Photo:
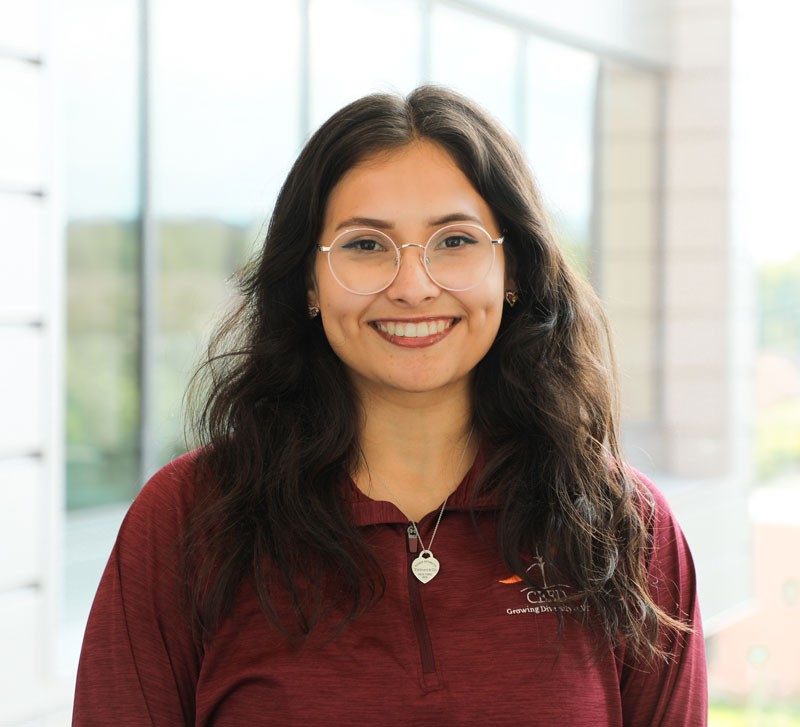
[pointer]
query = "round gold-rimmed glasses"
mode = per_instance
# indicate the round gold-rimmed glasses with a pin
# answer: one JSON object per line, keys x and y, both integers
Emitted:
{"x": 366, "y": 261}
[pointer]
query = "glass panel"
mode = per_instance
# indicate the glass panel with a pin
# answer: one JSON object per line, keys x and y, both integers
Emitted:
{"x": 628, "y": 274}
{"x": 21, "y": 139}
{"x": 478, "y": 58}
{"x": 225, "y": 131}
{"x": 100, "y": 191}
{"x": 559, "y": 128}
{"x": 353, "y": 54}
{"x": 21, "y": 245}
{"x": 21, "y": 388}
{"x": 19, "y": 635}
{"x": 21, "y": 491}
{"x": 20, "y": 27}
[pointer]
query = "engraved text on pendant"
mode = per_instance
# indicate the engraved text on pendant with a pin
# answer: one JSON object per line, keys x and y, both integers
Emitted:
{"x": 425, "y": 566}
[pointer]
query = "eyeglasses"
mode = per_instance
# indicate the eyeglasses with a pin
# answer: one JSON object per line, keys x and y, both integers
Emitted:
{"x": 366, "y": 261}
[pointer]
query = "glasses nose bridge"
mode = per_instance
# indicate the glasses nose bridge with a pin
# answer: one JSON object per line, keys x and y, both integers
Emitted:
{"x": 411, "y": 244}
{"x": 422, "y": 248}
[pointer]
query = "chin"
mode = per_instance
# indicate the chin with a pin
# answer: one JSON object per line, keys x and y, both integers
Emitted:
{"x": 420, "y": 385}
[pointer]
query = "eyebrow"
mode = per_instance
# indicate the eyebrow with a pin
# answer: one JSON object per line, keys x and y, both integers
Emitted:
{"x": 384, "y": 225}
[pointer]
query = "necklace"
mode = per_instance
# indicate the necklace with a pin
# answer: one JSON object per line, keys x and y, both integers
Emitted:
{"x": 425, "y": 566}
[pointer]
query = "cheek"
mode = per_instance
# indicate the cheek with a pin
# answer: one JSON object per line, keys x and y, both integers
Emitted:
{"x": 486, "y": 302}
{"x": 342, "y": 315}
{"x": 485, "y": 313}
{"x": 337, "y": 323}
{"x": 493, "y": 302}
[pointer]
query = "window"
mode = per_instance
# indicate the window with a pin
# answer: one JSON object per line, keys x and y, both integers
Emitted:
{"x": 358, "y": 47}
{"x": 559, "y": 140}
{"x": 477, "y": 57}
{"x": 225, "y": 101}
{"x": 101, "y": 202}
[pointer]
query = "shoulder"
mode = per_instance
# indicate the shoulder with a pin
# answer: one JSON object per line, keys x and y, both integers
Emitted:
{"x": 674, "y": 691}
{"x": 139, "y": 657}
{"x": 161, "y": 505}
{"x": 668, "y": 552}
{"x": 172, "y": 482}
{"x": 655, "y": 505}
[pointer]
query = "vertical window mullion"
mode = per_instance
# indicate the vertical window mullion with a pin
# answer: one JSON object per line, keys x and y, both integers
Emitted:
{"x": 521, "y": 96}
{"x": 660, "y": 266}
{"x": 305, "y": 70}
{"x": 596, "y": 211}
{"x": 148, "y": 259}
{"x": 425, "y": 41}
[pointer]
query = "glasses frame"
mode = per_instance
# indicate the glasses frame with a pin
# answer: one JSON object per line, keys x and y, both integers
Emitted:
{"x": 399, "y": 258}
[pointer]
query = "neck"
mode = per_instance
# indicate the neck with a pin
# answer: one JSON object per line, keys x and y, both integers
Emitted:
{"x": 412, "y": 445}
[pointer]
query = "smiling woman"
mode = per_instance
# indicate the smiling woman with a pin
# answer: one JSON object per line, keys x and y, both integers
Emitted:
{"x": 408, "y": 503}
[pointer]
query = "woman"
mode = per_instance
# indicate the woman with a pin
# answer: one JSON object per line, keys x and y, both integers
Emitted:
{"x": 409, "y": 506}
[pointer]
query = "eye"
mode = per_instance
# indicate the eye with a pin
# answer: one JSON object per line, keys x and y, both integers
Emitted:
{"x": 455, "y": 241}
{"x": 363, "y": 244}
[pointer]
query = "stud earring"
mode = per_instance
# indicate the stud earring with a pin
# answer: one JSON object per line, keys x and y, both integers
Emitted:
{"x": 313, "y": 311}
{"x": 511, "y": 298}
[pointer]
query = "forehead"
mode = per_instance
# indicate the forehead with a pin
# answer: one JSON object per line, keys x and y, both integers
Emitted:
{"x": 414, "y": 183}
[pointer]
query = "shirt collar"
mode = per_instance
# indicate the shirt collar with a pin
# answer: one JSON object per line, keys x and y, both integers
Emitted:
{"x": 367, "y": 511}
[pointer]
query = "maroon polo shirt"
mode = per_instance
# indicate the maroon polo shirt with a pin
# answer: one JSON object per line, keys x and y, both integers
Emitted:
{"x": 473, "y": 646}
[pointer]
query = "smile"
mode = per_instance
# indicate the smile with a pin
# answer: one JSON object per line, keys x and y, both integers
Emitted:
{"x": 414, "y": 335}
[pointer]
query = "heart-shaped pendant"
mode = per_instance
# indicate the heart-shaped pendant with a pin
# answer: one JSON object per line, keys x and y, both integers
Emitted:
{"x": 425, "y": 566}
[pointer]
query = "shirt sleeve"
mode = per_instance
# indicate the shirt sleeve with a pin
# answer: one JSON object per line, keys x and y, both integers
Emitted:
{"x": 138, "y": 665}
{"x": 674, "y": 694}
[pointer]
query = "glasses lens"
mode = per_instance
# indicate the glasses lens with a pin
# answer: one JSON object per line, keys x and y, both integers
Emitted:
{"x": 460, "y": 257}
{"x": 363, "y": 261}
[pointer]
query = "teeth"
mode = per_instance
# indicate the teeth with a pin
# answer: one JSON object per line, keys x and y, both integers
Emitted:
{"x": 414, "y": 330}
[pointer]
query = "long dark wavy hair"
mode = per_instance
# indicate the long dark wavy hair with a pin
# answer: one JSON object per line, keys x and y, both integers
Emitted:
{"x": 274, "y": 417}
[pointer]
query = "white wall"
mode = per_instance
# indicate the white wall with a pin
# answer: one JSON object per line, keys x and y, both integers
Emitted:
{"x": 31, "y": 369}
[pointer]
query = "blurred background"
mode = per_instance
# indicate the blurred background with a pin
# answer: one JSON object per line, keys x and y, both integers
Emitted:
{"x": 143, "y": 142}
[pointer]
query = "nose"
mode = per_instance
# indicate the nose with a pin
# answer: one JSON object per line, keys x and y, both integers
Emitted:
{"x": 412, "y": 284}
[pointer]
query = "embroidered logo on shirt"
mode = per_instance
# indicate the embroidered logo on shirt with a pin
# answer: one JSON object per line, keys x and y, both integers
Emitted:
{"x": 540, "y": 599}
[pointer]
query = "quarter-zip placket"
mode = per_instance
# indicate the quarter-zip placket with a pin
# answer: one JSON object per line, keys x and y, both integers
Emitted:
{"x": 430, "y": 675}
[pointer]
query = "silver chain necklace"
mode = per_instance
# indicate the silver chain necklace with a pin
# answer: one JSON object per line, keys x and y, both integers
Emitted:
{"x": 425, "y": 566}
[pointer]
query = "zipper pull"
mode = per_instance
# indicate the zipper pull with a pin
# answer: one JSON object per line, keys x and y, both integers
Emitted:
{"x": 412, "y": 539}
